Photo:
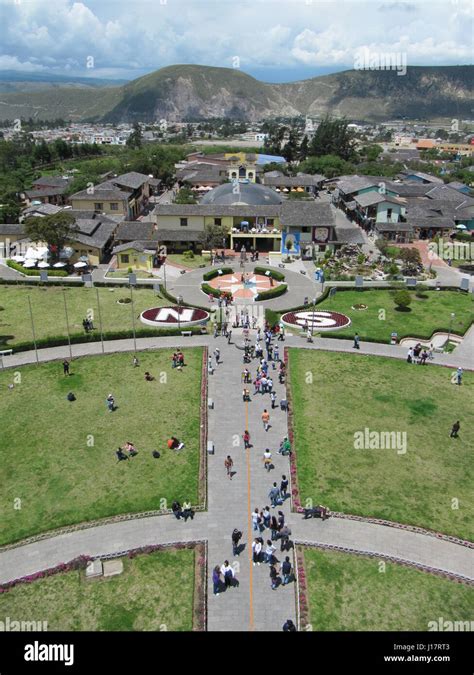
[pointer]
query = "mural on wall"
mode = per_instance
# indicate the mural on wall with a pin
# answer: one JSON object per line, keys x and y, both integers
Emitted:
{"x": 290, "y": 243}
{"x": 320, "y": 234}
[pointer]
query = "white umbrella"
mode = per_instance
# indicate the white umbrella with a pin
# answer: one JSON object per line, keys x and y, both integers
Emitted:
{"x": 43, "y": 264}
{"x": 461, "y": 227}
{"x": 80, "y": 264}
{"x": 18, "y": 258}
{"x": 285, "y": 190}
{"x": 59, "y": 264}
{"x": 29, "y": 263}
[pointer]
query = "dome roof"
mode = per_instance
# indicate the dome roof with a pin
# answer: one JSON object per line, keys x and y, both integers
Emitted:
{"x": 248, "y": 193}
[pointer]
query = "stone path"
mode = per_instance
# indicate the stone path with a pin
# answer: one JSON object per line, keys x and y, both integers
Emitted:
{"x": 252, "y": 605}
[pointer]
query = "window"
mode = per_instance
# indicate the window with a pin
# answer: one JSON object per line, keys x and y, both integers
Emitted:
{"x": 125, "y": 258}
{"x": 98, "y": 206}
{"x": 114, "y": 206}
{"x": 305, "y": 229}
{"x": 270, "y": 222}
{"x": 250, "y": 174}
{"x": 217, "y": 221}
{"x": 183, "y": 222}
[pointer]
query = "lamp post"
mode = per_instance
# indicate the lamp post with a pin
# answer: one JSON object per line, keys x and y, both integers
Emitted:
{"x": 133, "y": 320}
{"x": 67, "y": 324}
{"x": 32, "y": 330}
{"x": 180, "y": 300}
{"x": 451, "y": 319}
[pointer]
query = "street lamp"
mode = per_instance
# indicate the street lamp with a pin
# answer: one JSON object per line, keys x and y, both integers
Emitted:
{"x": 451, "y": 319}
{"x": 180, "y": 300}
{"x": 312, "y": 317}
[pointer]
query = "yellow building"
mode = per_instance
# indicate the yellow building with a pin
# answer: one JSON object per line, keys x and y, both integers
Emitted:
{"x": 139, "y": 255}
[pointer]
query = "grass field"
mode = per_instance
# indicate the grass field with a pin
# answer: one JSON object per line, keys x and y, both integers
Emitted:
{"x": 179, "y": 259}
{"x": 425, "y": 316}
{"x": 350, "y": 393}
{"x": 49, "y": 314}
{"x": 154, "y": 593}
{"x": 58, "y": 458}
{"x": 349, "y": 593}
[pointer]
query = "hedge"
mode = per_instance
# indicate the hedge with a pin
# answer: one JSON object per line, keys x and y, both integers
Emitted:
{"x": 272, "y": 293}
{"x": 78, "y": 338}
{"x": 36, "y": 282}
{"x": 212, "y": 274}
{"x": 278, "y": 276}
{"x": 34, "y": 273}
{"x": 209, "y": 290}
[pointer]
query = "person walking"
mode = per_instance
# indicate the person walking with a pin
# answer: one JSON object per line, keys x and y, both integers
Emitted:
{"x": 228, "y": 573}
{"x": 66, "y": 367}
{"x": 255, "y": 520}
{"x": 356, "y": 341}
{"x": 273, "y": 528}
{"x": 110, "y": 403}
{"x": 266, "y": 419}
{"x": 246, "y": 438}
{"x": 267, "y": 459}
{"x": 274, "y": 495}
{"x": 285, "y": 538}
{"x": 135, "y": 362}
{"x": 256, "y": 551}
{"x": 273, "y": 398}
{"x": 286, "y": 570}
{"x": 269, "y": 551}
{"x": 284, "y": 487}
{"x": 266, "y": 516}
{"x": 274, "y": 578}
{"x": 229, "y": 337}
{"x": 289, "y": 626}
{"x": 281, "y": 519}
{"x": 459, "y": 373}
{"x": 410, "y": 355}
{"x": 455, "y": 430}
{"x": 229, "y": 463}
{"x": 236, "y": 537}
{"x": 216, "y": 579}
{"x": 217, "y": 354}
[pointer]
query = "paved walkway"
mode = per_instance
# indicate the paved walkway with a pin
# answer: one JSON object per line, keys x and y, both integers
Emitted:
{"x": 252, "y": 605}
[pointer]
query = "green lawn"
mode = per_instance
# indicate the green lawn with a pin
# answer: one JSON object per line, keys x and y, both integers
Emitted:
{"x": 123, "y": 274}
{"x": 179, "y": 259}
{"x": 349, "y": 393}
{"x": 424, "y": 317}
{"x": 154, "y": 593}
{"x": 58, "y": 457}
{"x": 348, "y": 593}
{"x": 49, "y": 317}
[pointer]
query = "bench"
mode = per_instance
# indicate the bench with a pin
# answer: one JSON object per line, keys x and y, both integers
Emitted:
{"x": 6, "y": 352}
{"x": 186, "y": 333}
{"x": 210, "y": 403}
{"x": 210, "y": 448}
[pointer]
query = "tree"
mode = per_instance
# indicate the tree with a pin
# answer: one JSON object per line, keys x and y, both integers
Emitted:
{"x": 55, "y": 230}
{"x": 327, "y": 165}
{"x": 185, "y": 196}
{"x": 304, "y": 149}
{"x": 213, "y": 236}
{"x": 333, "y": 137}
{"x": 41, "y": 153}
{"x": 290, "y": 150}
{"x": 135, "y": 138}
{"x": 402, "y": 299}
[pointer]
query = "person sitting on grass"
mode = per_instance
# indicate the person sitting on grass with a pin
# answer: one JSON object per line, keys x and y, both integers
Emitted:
{"x": 149, "y": 377}
{"x": 120, "y": 455}
{"x": 175, "y": 444}
{"x": 132, "y": 451}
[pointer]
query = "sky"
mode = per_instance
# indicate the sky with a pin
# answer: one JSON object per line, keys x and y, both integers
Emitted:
{"x": 272, "y": 40}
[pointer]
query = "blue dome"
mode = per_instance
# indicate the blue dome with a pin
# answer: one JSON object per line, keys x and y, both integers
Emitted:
{"x": 241, "y": 193}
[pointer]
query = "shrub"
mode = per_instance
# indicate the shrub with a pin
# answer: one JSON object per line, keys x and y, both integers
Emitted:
{"x": 402, "y": 299}
{"x": 130, "y": 270}
{"x": 422, "y": 291}
{"x": 34, "y": 272}
{"x": 212, "y": 274}
{"x": 272, "y": 292}
{"x": 278, "y": 276}
{"x": 188, "y": 254}
{"x": 209, "y": 290}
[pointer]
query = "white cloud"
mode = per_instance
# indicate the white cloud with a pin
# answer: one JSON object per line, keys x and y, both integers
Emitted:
{"x": 124, "y": 36}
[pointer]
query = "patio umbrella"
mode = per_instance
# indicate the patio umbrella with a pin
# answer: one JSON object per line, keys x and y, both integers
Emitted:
{"x": 285, "y": 190}
{"x": 461, "y": 227}
{"x": 29, "y": 263}
{"x": 18, "y": 258}
{"x": 59, "y": 264}
{"x": 78, "y": 265}
{"x": 43, "y": 264}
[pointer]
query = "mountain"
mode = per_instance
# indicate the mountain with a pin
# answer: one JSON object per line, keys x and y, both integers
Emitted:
{"x": 188, "y": 92}
{"x": 15, "y": 81}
